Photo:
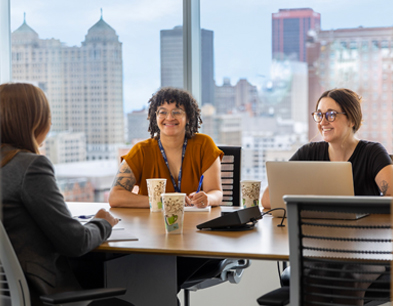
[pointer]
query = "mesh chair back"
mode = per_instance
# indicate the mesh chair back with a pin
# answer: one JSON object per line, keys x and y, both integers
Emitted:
{"x": 230, "y": 175}
{"x": 340, "y": 262}
{"x": 13, "y": 283}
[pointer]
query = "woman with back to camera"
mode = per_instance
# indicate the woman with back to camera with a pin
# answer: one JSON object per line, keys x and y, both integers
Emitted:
{"x": 174, "y": 122}
{"x": 338, "y": 116}
{"x": 35, "y": 216}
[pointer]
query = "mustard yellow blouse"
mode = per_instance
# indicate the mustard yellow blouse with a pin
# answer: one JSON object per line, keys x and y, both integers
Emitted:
{"x": 146, "y": 161}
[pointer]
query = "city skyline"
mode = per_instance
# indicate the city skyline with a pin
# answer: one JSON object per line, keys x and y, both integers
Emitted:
{"x": 242, "y": 42}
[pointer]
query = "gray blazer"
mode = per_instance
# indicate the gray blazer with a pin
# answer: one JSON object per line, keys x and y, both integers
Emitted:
{"x": 41, "y": 228}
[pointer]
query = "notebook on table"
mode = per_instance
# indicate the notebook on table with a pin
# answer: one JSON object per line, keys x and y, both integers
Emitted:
{"x": 309, "y": 178}
{"x": 121, "y": 234}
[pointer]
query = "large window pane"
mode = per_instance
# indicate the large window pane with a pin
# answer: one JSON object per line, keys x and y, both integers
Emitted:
{"x": 98, "y": 63}
{"x": 272, "y": 60}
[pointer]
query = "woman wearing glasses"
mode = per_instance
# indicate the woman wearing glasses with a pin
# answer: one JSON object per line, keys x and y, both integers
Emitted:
{"x": 338, "y": 116}
{"x": 175, "y": 151}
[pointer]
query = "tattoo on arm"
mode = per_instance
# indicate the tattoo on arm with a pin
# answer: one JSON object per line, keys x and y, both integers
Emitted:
{"x": 125, "y": 177}
{"x": 384, "y": 187}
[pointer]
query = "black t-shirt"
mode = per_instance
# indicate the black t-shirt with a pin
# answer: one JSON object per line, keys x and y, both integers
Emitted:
{"x": 367, "y": 160}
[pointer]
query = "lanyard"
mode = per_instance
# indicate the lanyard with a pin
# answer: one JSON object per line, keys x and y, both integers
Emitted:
{"x": 177, "y": 188}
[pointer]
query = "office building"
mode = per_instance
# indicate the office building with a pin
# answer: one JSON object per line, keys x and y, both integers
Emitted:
{"x": 65, "y": 147}
{"x": 137, "y": 126}
{"x": 262, "y": 146}
{"x": 225, "y": 129}
{"x": 285, "y": 95}
{"x": 242, "y": 97}
{"x": 76, "y": 190}
{"x": 359, "y": 59}
{"x": 171, "y": 44}
{"x": 99, "y": 174}
{"x": 225, "y": 96}
{"x": 289, "y": 32}
{"x": 84, "y": 85}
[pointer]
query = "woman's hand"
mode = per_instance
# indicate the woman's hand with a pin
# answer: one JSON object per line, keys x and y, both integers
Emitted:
{"x": 200, "y": 199}
{"x": 103, "y": 214}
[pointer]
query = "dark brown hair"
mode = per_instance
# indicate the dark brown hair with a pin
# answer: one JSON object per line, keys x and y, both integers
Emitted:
{"x": 24, "y": 115}
{"x": 349, "y": 102}
{"x": 180, "y": 97}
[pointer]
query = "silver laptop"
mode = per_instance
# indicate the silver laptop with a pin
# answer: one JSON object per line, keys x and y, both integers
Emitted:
{"x": 309, "y": 178}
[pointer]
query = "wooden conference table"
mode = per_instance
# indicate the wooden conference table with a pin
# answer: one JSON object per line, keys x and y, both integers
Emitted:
{"x": 152, "y": 263}
{"x": 149, "y": 271}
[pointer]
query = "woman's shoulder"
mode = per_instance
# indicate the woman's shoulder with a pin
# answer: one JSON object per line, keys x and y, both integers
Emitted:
{"x": 147, "y": 146}
{"x": 201, "y": 139}
{"x": 25, "y": 162}
{"x": 27, "y": 158}
{"x": 144, "y": 145}
{"x": 371, "y": 147}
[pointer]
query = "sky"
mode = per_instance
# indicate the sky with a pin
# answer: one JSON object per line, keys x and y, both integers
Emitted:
{"x": 242, "y": 31}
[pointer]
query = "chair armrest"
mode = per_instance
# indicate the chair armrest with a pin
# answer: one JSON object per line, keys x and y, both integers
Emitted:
{"x": 286, "y": 276}
{"x": 82, "y": 295}
{"x": 278, "y": 297}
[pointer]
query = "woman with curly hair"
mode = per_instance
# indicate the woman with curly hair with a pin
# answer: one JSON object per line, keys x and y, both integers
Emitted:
{"x": 175, "y": 151}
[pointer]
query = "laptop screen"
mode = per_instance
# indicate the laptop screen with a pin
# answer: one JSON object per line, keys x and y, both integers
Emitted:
{"x": 307, "y": 178}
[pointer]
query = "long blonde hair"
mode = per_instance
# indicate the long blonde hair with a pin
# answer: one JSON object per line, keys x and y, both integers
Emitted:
{"x": 24, "y": 115}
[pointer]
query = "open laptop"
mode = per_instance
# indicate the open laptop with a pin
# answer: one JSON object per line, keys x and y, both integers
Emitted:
{"x": 309, "y": 178}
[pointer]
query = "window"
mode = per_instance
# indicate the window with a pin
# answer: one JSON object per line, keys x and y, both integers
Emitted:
{"x": 253, "y": 57}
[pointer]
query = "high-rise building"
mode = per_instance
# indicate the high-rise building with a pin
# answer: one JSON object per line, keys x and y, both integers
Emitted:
{"x": 84, "y": 85}
{"x": 286, "y": 94}
{"x": 359, "y": 59}
{"x": 289, "y": 32}
{"x": 225, "y": 97}
{"x": 137, "y": 126}
{"x": 238, "y": 98}
{"x": 224, "y": 129}
{"x": 172, "y": 61}
{"x": 65, "y": 147}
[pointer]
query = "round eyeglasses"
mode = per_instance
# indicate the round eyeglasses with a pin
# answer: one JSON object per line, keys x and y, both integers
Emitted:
{"x": 329, "y": 116}
{"x": 176, "y": 113}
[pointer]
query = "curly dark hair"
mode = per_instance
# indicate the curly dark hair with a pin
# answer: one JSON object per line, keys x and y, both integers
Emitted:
{"x": 180, "y": 97}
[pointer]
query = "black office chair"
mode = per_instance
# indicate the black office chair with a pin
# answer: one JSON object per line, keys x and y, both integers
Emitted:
{"x": 230, "y": 270}
{"x": 330, "y": 263}
{"x": 14, "y": 289}
{"x": 230, "y": 175}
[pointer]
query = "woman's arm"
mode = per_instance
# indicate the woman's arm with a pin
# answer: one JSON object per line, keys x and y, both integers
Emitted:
{"x": 265, "y": 201}
{"x": 211, "y": 193}
{"x": 121, "y": 194}
{"x": 384, "y": 180}
{"x": 46, "y": 208}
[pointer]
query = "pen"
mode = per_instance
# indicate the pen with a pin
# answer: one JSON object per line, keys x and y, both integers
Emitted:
{"x": 84, "y": 216}
{"x": 200, "y": 184}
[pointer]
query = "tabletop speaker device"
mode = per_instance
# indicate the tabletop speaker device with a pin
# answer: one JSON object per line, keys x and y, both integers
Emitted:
{"x": 238, "y": 220}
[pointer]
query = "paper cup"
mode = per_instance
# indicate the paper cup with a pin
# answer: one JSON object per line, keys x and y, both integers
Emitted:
{"x": 155, "y": 188}
{"x": 173, "y": 206}
{"x": 250, "y": 193}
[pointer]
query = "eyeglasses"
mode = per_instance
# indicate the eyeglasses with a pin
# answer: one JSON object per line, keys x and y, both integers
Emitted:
{"x": 329, "y": 116}
{"x": 176, "y": 113}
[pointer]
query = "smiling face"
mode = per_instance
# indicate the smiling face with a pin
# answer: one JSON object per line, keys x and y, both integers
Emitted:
{"x": 338, "y": 130}
{"x": 171, "y": 126}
